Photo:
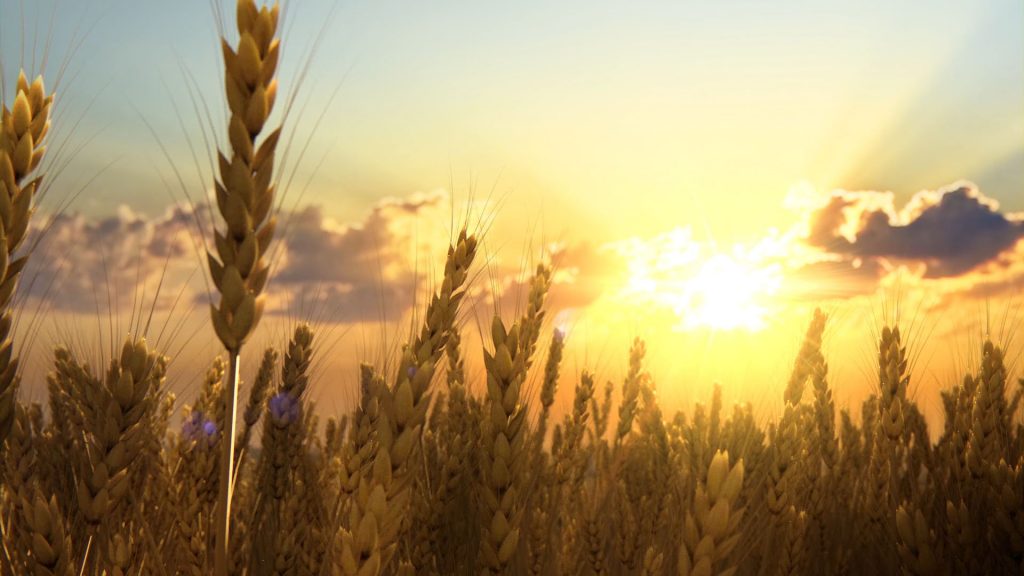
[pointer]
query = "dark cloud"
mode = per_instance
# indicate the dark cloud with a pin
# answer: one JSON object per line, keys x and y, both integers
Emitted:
{"x": 826, "y": 222}
{"x": 951, "y": 231}
{"x": 1002, "y": 277}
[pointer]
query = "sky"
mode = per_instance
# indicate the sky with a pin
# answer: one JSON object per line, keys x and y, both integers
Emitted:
{"x": 703, "y": 174}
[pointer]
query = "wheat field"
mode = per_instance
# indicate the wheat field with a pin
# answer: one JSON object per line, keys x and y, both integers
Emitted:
{"x": 436, "y": 474}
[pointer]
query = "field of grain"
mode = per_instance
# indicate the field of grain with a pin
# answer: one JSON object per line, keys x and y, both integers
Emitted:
{"x": 432, "y": 474}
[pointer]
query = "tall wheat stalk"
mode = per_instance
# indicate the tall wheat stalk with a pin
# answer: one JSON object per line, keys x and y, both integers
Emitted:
{"x": 245, "y": 197}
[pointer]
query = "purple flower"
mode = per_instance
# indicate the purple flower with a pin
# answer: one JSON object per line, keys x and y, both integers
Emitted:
{"x": 284, "y": 408}
{"x": 210, "y": 428}
{"x": 411, "y": 372}
{"x": 198, "y": 428}
{"x": 191, "y": 427}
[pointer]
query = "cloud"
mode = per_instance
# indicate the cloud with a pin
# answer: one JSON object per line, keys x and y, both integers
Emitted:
{"x": 582, "y": 272}
{"x": 950, "y": 232}
{"x": 377, "y": 267}
{"x": 954, "y": 243}
{"x": 359, "y": 271}
{"x": 80, "y": 263}
{"x": 322, "y": 269}
{"x": 384, "y": 242}
{"x": 386, "y": 263}
{"x": 1009, "y": 283}
{"x": 833, "y": 278}
{"x": 1004, "y": 276}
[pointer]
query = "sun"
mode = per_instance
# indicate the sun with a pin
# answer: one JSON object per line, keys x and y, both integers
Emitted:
{"x": 726, "y": 294}
{"x": 719, "y": 290}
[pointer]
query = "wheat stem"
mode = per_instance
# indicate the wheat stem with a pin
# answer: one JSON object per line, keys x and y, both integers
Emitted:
{"x": 227, "y": 465}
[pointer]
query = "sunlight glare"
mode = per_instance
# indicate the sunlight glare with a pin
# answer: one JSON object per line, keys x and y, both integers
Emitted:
{"x": 720, "y": 291}
{"x": 726, "y": 294}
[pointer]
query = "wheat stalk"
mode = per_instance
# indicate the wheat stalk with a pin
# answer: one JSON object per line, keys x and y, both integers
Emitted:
{"x": 245, "y": 198}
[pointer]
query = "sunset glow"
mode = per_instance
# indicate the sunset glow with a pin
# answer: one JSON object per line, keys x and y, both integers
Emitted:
{"x": 699, "y": 174}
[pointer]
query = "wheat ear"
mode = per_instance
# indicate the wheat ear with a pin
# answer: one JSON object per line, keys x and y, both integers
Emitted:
{"x": 711, "y": 530}
{"x": 257, "y": 398}
{"x": 916, "y": 542}
{"x": 504, "y": 429}
{"x": 990, "y": 418}
{"x": 893, "y": 380}
{"x": 22, "y": 133}
{"x": 382, "y": 490}
{"x": 631, "y": 390}
{"x": 791, "y": 548}
{"x": 550, "y": 384}
{"x": 47, "y": 546}
{"x": 808, "y": 358}
{"x": 128, "y": 398}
